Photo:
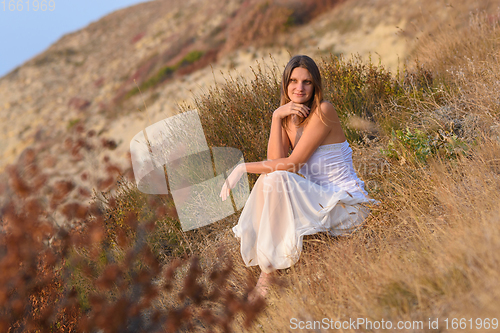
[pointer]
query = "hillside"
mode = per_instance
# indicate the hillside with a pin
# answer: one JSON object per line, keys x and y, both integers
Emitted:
{"x": 89, "y": 77}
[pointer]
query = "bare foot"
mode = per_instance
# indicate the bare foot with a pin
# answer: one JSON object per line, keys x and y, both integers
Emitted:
{"x": 261, "y": 288}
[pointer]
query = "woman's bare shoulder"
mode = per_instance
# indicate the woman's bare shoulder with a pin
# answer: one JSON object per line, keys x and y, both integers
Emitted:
{"x": 328, "y": 110}
{"x": 326, "y": 105}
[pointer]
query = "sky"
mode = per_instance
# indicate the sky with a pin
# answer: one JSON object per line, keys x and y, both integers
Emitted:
{"x": 25, "y": 33}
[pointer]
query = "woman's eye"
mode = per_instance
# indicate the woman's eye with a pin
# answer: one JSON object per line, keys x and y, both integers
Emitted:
{"x": 293, "y": 80}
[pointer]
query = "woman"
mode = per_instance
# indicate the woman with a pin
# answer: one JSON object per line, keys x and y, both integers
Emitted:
{"x": 283, "y": 206}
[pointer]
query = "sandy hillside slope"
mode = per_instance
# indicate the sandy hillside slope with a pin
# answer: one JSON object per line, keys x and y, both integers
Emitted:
{"x": 174, "y": 49}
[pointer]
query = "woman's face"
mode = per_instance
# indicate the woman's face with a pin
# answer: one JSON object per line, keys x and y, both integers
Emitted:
{"x": 300, "y": 87}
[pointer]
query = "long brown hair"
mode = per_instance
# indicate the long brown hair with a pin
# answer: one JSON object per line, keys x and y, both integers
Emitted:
{"x": 314, "y": 103}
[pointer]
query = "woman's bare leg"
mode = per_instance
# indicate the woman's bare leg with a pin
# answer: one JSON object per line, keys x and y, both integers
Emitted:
{"x": 262, "y": 286}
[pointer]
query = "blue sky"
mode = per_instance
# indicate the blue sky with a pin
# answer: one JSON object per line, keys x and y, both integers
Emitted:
{"x": 24, "y": 34}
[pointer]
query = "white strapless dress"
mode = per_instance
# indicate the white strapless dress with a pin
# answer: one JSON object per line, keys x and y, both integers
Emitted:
{"x": 283, "y": 207}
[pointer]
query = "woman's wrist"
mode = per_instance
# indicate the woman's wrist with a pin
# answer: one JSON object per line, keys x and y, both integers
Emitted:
{"x": 241, "y": 167}
{"x": 276, "y": 115}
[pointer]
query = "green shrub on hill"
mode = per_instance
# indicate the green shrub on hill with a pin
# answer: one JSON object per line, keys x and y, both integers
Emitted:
{"x": 165, "y": 72}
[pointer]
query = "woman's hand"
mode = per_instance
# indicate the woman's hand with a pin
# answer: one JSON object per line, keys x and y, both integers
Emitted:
{"x": 231, "y": 181}
{"x": 292, "y": 108}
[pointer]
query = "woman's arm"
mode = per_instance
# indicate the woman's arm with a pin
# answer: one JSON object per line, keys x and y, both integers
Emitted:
{"x": 278, "y": 144}
{"x": 314, "y": 134}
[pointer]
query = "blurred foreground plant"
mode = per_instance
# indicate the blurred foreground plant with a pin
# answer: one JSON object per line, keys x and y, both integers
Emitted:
{"x": 82, "y": 276}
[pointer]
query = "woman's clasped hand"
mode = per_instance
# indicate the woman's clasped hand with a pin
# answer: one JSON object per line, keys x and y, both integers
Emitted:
{"x": 292, "y": 108}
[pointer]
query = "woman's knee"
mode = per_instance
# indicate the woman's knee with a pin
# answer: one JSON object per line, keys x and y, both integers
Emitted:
{"x": 276, "y": 176}
{"x": 276, "y": 180}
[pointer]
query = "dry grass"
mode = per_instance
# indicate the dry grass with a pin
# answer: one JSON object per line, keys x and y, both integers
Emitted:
{"x": 469, "y": 59}
{"x": 430, "y": 251}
